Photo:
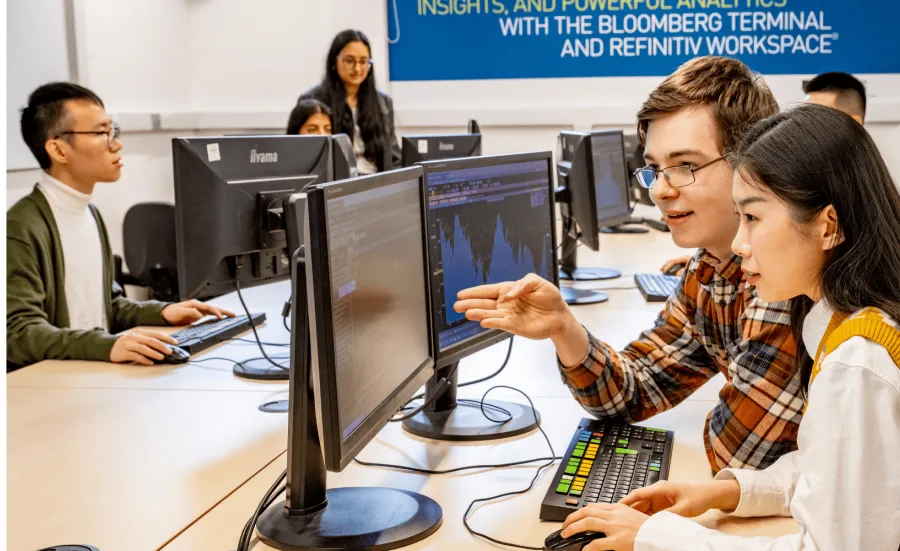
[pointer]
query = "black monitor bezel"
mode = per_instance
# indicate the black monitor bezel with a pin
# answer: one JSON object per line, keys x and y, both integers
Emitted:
{"x": 613, "y": 220}
{"x": 471, "y": 345}
{"x": 339, "y": 452}
{"x": 406, "y": 144}
{"x": 183, "y": 155}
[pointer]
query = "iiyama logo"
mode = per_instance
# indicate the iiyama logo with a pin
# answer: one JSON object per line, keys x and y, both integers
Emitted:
{"x": 445, "y": 146}
{"x": 263, "y": 157}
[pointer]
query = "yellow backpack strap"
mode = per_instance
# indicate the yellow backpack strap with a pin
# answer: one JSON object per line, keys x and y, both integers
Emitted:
{"x": 870, "y": 325}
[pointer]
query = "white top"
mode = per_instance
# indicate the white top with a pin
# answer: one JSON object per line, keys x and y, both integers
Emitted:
{"x": 842, "y": 485}
{"x": 82, "y": 253}
{"x": 363, "y": 165}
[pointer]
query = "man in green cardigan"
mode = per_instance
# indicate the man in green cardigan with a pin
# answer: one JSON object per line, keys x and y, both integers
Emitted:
{"x": 61, "y": 300}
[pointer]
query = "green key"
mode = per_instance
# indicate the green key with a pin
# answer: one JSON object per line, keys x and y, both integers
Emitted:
{"x": 654, "y": 469}
{"x": 595, "y": 441}
{"x": 581, "y": 445}
{"x": 563, "y": 488}
{"x": 623, "y": 442}
{"x": 626, "y": 451}
{"x": 571, "y": 469}
{"x": 655, "y": 430}
{"x": 580, "y": 453}
{"x": 575, "y": 493}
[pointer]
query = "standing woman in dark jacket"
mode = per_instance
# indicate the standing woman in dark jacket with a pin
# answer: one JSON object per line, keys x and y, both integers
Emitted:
{"x": 358, "y": 108}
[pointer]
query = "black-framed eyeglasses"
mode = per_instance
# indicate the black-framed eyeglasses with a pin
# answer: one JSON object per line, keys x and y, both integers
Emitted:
{"x": 677, "y": 176}
{"x": 350, "y": 62}
{"x": 111, "y": 135}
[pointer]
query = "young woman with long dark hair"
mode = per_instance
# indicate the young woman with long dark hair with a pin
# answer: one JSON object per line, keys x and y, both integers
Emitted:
{"x": 358, "y": 108}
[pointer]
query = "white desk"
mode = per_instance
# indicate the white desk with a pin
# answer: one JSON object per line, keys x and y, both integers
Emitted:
{"x": 127, "y": 469}
{"x": 514, "y": 519}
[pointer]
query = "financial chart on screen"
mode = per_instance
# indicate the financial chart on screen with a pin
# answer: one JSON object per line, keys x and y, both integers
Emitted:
{"x": 486, "y": 225}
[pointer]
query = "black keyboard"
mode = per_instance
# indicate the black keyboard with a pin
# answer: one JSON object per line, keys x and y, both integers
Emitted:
{"x": 656, "y": 287}
{"x": 605, "y": 461}
{"x": 199, "y": 337}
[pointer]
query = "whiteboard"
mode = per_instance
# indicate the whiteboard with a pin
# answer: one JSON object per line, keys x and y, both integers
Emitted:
{"x": 36, "y": 53}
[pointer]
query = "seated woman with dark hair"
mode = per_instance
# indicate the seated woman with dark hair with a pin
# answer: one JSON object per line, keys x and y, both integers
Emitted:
{"x": 309, "y": 117}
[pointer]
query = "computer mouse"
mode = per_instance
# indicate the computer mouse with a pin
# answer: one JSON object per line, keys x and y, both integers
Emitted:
{"x": 673, "y": 271}
{"x": 555, "y": 541}
{"x": 177, "y": 356}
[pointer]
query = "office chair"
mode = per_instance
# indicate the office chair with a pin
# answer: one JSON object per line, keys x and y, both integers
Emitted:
{"x": 149, "y": 243}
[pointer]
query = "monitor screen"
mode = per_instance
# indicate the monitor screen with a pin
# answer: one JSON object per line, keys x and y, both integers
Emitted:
{"x": 610, "y": 177}
{"x": 378, "y": 295}
{"x": 487, "y": 224}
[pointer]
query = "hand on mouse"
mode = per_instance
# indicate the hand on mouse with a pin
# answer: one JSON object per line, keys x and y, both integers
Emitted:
{"x": 685, "y": 499}
{"x": 683, "y": 260}
{"x": 619, "y": 522}
{"x": 142, "y": 347}
{"x": 185, "y": 313}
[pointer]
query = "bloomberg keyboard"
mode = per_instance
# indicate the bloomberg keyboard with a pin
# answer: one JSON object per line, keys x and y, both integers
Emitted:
{"x": 656, "y": 287}
{"x": 197, "y": 338}
{"x": 604, "y": 462}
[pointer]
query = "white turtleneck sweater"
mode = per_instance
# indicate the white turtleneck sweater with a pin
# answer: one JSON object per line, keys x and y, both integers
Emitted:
{"x": 82, "y": 252}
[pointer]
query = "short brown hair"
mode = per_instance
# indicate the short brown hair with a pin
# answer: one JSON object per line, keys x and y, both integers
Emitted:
{"x": 737, "y": 96}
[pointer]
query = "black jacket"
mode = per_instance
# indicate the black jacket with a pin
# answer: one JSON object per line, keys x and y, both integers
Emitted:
{"x": 392, "y": 152}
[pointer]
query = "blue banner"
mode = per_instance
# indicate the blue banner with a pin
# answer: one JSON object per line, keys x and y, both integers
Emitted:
{"x": 499, "y": 39}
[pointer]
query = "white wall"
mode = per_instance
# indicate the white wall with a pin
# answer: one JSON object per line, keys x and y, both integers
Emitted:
{"x": 171, "y": 68}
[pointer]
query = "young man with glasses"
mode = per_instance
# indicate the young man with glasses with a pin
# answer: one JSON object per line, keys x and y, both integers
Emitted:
{"x": 61, "y": 300}
{"x": 714, "y": 323}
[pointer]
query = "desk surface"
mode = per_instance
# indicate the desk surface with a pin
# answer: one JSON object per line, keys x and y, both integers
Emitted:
{"x": 514, "y": 519}
{"x": 134, "y": 457}
{"x": 127, "y": 469}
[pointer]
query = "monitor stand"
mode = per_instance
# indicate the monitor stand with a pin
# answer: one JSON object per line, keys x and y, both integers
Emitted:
{"x": 316, "y": 518}
{"x": 448, "y": 419}
{"x": 259, "y": 369}
{"x": 627, "y": 226}
{"x": 569, "y": 270}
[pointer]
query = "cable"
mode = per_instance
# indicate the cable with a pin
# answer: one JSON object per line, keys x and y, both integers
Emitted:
{"x": 237, "y": 286}
{"x": 537, "y": 475}
{"x": 267, "y": 500}
{"x": 438, "y": 390}
{"x": 396, "y": 25}
{"x": 494, "y": 374}
{"x": 418, "y": 470}
{"x": 265, "y": 343}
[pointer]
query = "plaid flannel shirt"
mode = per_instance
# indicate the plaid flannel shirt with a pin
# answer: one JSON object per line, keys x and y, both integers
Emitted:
{"x": 714, "y": 323}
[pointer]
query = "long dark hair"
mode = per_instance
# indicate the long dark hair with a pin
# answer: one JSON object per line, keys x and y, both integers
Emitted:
{"x": 304, "y": 109}
{"x": 811, "y": 157}
{"x": 371, "y": 119}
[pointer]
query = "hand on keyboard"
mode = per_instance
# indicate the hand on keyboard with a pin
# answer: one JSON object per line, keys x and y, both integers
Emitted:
{"x": 685, "y": 499}
{"x": 186, "y": 313}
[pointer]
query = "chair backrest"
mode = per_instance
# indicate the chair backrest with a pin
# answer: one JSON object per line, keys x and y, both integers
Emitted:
{"x": 149, "y": 239}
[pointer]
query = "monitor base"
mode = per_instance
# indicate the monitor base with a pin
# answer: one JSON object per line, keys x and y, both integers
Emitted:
{"x": 588, "y": 274}
{"x": 626, "y": 227}
{"x": 374, "y": 519}
{"x": 278, "y": 406}
{"x": 466, "y": 422}
{"x": 259, "y": 369}
{"x": 574, "y": 296}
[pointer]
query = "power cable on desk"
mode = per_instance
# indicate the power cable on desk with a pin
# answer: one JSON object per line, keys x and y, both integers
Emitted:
{"x": 237, "y": 286}
{"x": 267, "y": 500}
{"x": 537, "y": 475}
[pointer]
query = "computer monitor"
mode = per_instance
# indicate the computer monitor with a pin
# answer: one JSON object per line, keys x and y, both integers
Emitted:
{"x": 229, "y": 210}
{"x": 434, "y": 147}
{"x": 363, "y": 284}
{"x": 490, "y": 219}
{"x": 593, "y": 193}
